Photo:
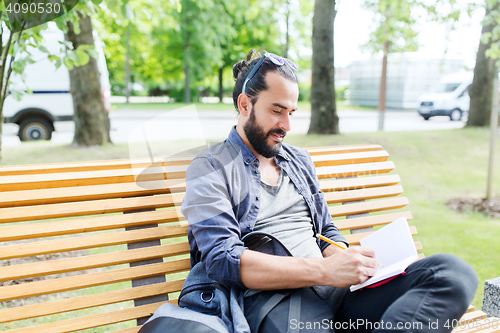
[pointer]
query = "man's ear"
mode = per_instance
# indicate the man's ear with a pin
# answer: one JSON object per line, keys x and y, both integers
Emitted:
{"x": 244, "y": 104}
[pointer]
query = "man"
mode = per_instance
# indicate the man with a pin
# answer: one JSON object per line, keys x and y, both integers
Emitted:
{"x": 254, "y": 181}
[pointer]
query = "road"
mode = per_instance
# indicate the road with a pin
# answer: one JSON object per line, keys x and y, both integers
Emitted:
{"x": 213, "y": 125}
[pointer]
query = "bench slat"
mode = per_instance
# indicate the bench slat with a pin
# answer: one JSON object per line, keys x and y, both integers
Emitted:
{"x": 313, "y": 151}
{"x": 358, "y": 183}
{"x": 92, "y": 321}
{"x": 130, "y": 175}
{"x": 89, "y": 301}
{"x": 143, "y": 162}
{"x": 91, "y": 241}
{"x": 363, "y": 194}
{"x": 91, "y": 280}
{"x": 42, "y": 212}
{"x": 49, "y": 267}
{"x": 350, "y": 158}
{"x": 343, "y": 171}
{"x": 74, "y": 179}
{"x": 355, "y": 238}
{"x": 95, "y": 192}
{"x": 367, "y": 207}
{"x": 89, "y": 224}
{"x": 370, "y": 221}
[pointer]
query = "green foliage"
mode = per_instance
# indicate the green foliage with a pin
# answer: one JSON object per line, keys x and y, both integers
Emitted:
{"x": 395, "y": 23}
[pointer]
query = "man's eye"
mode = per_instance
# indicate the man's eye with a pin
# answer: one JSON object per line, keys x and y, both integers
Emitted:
{"x": 277, "y": 111}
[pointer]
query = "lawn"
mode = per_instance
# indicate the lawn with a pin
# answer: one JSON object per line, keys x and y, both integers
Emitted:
{"x": 301, "y": 106}
{"x": 434, "y": 166}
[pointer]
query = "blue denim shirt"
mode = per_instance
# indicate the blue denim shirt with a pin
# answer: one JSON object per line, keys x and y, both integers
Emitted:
{"x": 222, "y": 203}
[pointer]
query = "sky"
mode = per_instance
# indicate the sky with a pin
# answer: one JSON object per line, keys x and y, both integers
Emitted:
{"x": 353, "y": 26}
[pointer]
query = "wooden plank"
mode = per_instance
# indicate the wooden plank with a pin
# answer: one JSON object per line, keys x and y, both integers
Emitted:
{"x": 49, "y": 267}
{"x": 487, "y": 325}
{"x": 89, "y": 301}
{"x": 368, "y": 207}
{"x": 72, "y": 179}
{"x": 354, "y": 238}
{"x": 91, "y": 280}
{"x": 343, "y": 171}
{"x": 125, "y": 190}
{"x": 92, "y": 321}
{"x": 350, "y": 158}
{"x": 370, "y": 221}
{"x": 358, "y": 183}
{"x": 83, "y": 166}
{"x": 129, "y": 330}
{"x": 88, "y": 224}
{"x": 91, "y": 241}
{"x": 94, "y": 192}
{"x": 342, "y": 149}
{"x": 472, "y": 316}
{"x": 363, "y": 194}
{"x": 41, "y": 212}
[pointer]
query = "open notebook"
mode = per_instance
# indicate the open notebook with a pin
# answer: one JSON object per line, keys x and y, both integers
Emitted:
{"x": 394, "y": 250}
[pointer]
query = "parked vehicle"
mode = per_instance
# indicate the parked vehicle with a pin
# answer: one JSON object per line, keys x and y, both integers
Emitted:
{"x": 50, "y": 99}
{"x": 450, "y": 97}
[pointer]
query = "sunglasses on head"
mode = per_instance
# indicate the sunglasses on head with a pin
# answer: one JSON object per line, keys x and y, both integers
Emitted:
{"x": 276, "y": 59}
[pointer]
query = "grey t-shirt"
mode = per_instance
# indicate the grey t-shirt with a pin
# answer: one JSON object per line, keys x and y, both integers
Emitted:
{"x": 284, "y": 214}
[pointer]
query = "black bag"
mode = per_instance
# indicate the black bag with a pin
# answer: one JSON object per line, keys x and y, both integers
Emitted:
{"x": 290, "y": 310}
{"x": 202, "y": 294}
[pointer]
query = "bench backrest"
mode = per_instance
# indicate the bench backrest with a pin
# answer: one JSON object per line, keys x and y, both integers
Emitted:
{"x": 100, "y": 245}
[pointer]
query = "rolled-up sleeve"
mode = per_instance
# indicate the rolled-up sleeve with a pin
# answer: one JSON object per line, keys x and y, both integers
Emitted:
{"x": 208, "y": 207}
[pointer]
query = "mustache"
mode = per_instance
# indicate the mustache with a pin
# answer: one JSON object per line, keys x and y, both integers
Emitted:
{"x": 278, "y": 131}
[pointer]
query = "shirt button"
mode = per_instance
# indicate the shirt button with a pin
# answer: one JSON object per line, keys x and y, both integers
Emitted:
{"x": 257, "y": 198}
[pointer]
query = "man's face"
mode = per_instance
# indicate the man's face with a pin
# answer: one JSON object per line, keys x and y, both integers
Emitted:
{"x": 269, "y": 119}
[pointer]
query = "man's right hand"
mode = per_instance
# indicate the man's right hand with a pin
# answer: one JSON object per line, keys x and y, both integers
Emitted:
{"x": 348, "y": 267}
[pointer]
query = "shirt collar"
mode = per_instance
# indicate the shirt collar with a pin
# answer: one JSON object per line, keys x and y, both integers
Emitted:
{"x": 248, "y": 155}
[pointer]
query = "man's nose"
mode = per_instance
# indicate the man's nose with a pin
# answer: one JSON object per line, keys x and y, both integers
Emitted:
{"x": 285, "y": 123}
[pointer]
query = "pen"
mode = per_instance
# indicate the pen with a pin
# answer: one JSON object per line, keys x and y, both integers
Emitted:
{"x": 328, "y": 240}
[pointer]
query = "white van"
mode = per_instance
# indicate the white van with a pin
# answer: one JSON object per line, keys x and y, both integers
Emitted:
{"x": 450, "y": 97}
{"x": 51, "y": 99}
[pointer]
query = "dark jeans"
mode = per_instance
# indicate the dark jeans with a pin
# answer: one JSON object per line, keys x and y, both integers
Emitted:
{"x": 432, "y": 295}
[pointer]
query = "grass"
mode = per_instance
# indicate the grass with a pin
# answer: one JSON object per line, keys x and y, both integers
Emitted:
{"x": 434, "y": 166}
{"x": 301, "y": 106}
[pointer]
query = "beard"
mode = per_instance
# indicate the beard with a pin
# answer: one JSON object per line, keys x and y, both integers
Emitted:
{"x": 258, "y": 138}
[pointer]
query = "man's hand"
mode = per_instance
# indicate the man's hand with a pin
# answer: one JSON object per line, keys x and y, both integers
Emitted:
{"x": 347, "y": 267}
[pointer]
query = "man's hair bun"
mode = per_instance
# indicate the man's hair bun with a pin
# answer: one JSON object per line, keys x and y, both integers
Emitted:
{"x": 239, "y": 67}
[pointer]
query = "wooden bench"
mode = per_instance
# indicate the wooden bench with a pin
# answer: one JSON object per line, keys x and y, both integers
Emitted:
{"x": 98, "y": 246}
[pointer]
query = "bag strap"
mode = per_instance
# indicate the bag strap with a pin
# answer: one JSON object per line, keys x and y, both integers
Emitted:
{"x": 294, "y": 310}
{"x": 257, "y": 316}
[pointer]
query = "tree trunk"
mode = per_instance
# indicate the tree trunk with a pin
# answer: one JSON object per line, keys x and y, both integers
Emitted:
{"x": 90, "y": 116}
{"x": 186, "y": 55}
{"x": 324, "y": 119}
{"x": 481, "y": 90}
{"x": 221, "y": 85}
{"x": 127, "y": 65}
{"x": 287, "y": 36}
{"x": 383, "y": 89}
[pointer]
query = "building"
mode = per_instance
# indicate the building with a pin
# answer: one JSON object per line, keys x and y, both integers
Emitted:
{"x": 409, "y": 75}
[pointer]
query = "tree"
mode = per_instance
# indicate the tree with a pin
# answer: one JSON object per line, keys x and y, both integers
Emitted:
{"x": 15, "y": 44}
{"x": 394, "y": 32}
{"x": 486, "y": 69}
{"x": 90, "y": 116}
{"x": 324, "y": 118}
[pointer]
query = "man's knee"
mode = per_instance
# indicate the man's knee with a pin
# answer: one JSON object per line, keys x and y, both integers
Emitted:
{"x": 455, "y": 274}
